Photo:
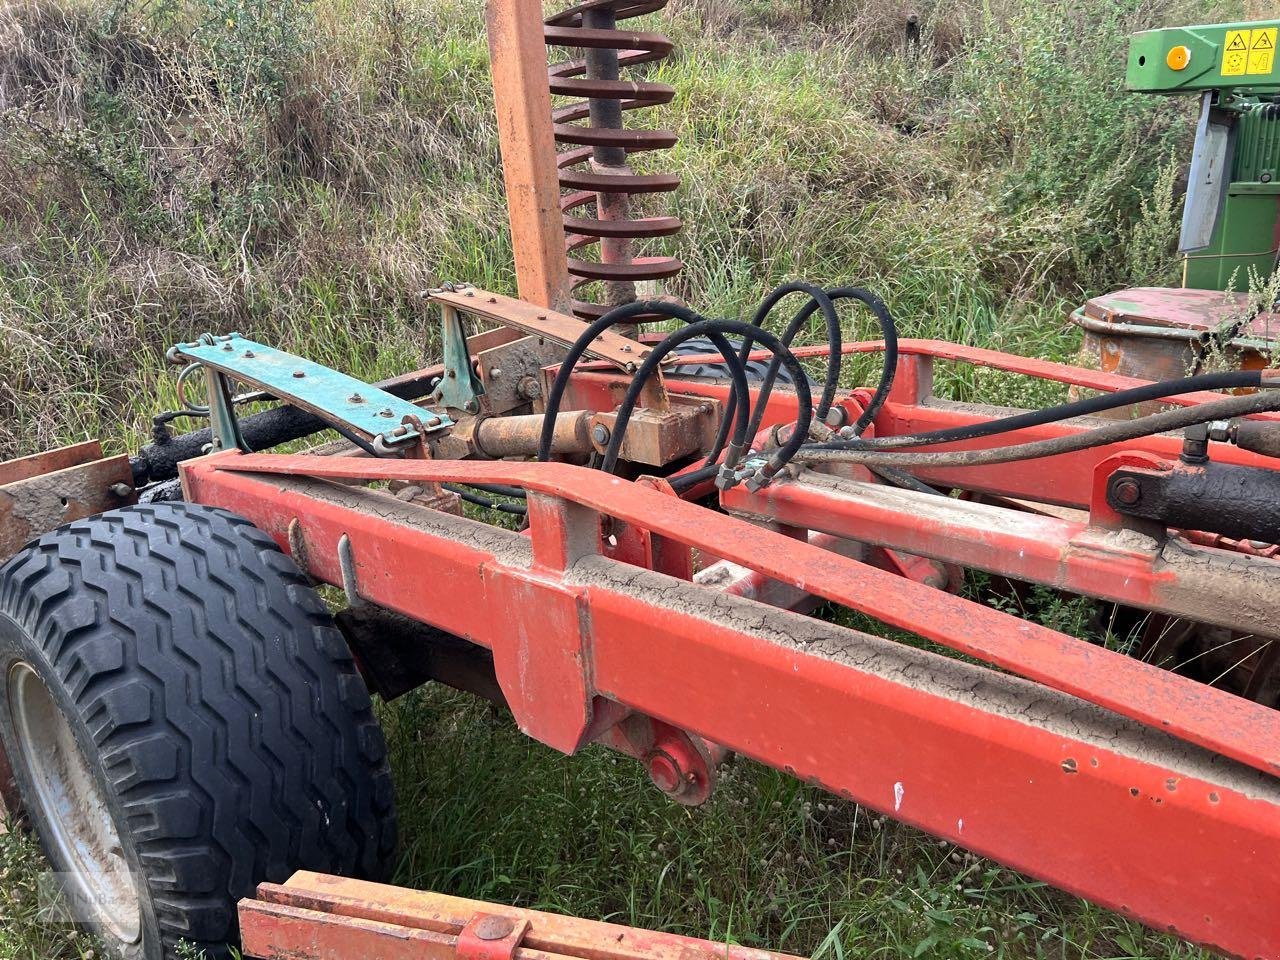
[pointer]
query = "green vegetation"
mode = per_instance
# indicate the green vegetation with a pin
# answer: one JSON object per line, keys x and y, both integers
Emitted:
{"x": 300, "y": 171}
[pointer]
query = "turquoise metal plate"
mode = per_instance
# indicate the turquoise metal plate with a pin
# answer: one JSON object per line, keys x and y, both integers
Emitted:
{"x": 332, "y": 396}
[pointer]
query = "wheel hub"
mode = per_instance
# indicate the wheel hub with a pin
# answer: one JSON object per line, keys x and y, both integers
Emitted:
{"x": 67, "y": 799}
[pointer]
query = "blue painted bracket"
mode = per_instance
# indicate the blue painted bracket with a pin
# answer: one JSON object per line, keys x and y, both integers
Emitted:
{"x": 370, "y": 413}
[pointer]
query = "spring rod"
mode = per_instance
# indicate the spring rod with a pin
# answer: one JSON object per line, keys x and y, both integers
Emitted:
{"x": 595, "y": 168}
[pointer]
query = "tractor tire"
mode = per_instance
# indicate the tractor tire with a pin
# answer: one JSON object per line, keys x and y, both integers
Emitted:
{"x": 183, "y": 721}
{"x": 755, "y": 370}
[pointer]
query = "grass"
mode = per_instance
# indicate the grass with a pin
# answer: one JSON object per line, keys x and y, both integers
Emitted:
{"x": 299, "y": 171}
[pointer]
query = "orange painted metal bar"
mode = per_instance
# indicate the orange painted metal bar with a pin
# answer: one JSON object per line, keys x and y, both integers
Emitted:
{"x": 316, "y": 916}
{"x": 1113, "y": 810}
{"x": 1201, "y": 715}
{"x": 522, "y": 102}
{"x": 1168, "y": 576}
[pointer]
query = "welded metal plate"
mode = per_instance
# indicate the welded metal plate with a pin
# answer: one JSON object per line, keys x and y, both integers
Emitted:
{"x": 313, "y": 387}
{"x": 560, "y": 328}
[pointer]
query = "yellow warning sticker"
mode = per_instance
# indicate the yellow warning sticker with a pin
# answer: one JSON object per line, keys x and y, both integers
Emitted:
{"x": 1249, "y": 52}
{"x": 1262, "y": 51}
{"x": 1235, "y": 55}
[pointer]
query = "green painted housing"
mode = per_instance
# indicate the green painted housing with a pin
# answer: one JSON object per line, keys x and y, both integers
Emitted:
{"x": 1248, "y": 230}
{"x": 1148, "y": 71}
{"x": 1238, "y": 62}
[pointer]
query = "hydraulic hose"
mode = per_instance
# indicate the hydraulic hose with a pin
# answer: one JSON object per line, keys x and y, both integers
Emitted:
{"x": 661, "y": 308}
{"x": 713, "y": 328}
{"x": 1117, "y": 432}
{"x": 1078, "y": 408}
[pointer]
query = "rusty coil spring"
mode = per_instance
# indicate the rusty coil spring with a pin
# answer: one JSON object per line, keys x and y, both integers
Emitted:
{"x": 596, "y": 169}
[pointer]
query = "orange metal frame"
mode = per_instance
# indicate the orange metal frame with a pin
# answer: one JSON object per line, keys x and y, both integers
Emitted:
{"x": 1136, "y": 788}
{"x": 1108, "y": 777}
{"x": 1162, "y": 825}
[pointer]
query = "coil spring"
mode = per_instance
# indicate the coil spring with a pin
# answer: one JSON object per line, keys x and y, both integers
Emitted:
{"x": 595, "y": 168}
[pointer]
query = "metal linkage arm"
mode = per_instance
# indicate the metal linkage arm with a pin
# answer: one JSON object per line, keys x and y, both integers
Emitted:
{"x": 372, "y": 414}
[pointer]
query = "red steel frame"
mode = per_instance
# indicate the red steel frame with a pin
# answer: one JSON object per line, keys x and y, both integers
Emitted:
{"x": 1105, "y": 776}
{"x": 1110, "y": 778}
{"x": 1127, "y": 813}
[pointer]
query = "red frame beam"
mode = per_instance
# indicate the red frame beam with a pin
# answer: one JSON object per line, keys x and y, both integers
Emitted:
{"x": 1126, "y": 566}
{"x": 1158, "y": 828}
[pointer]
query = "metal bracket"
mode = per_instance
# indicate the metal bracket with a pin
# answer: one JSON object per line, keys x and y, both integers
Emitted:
{"x": 459, "y": 388}
{"x": 372, "y": 414}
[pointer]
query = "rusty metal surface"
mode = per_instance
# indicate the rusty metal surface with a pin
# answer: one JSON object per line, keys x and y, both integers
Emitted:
{"x": 557, "y": 327}
{"x": 594, "y": 171}
{"x": 508, "y": 370}
{"x": 34, "y": 506}
{"x": 1181, "y": 309}
{"x": 314, "y": 917}
{"x": 23, "y": 468}
{"x": 515, "y": 436}
{"x": 522, "y": 105}
{"x": 657, "y": 437}
{"x": 1161, "y": 333}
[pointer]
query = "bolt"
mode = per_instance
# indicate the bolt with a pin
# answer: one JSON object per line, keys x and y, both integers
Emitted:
{"x": 298, "y": 374}
{"x": 385, "y": 412}
{"x": 1127, "y": 492}
{"x": 600, "y": 434}
{"x": 493, "y": 299}
{"x": 529, "y": 388}
{"x": 355, "y": 398}
{"x": 434, "y": 422}
{"x": 249, "y": 354}
{"x": 626, "y": 349}
{"x": 495, "y": 373}
{"x": 400, "y": 431}
{"x": 453, "y": 374}
{"x": 121, "y": 489}
{"x": 227, "y": 347}
{"x": 473, "y": 406}
{"x": 494, "y": 927}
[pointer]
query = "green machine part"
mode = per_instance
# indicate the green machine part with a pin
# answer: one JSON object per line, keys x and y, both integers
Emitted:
{"x": 1231, "y": 225}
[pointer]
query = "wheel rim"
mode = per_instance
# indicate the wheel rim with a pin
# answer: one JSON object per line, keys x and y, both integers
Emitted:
{"x": 73, "y": 808}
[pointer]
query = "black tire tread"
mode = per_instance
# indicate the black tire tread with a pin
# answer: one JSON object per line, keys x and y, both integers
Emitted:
{"x": 230, "y": 718}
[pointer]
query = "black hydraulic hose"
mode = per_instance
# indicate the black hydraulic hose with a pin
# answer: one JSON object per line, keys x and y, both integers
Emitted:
{"x": 518, "y": 509}
{"x": 889, "y": 334}
{"x": 804, "y": 398}
{"x": 1117, "y": 432}
{"x": 516, "y": 493}
{"x": 1078, "y": 408}
{"x": 694, "y": 477}
{"x": 889, "y": 365}
{"x": 818, "y": 300}
{"x": 618, "y": 315}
